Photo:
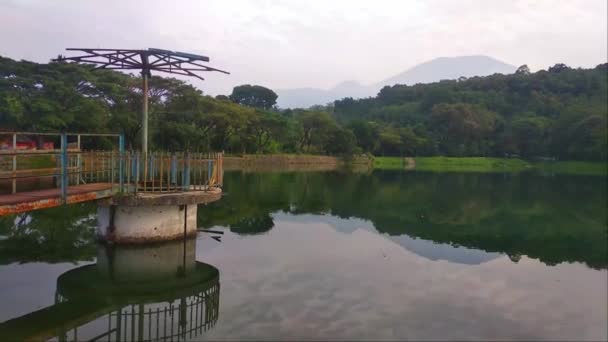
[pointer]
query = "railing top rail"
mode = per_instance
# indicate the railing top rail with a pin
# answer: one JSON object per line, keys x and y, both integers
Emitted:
{"x": 72, "y": 151}
{"x": 59, "y": 134}
{"x": 29, "y": 133}
{"x": 16, "y": 152}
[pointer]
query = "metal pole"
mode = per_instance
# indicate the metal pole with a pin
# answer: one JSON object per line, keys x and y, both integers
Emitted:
{"x": 64, "y": 167}
{"x": 144, "y": 119}
{"x": 78, "y": 161}
{"x": 121, "y": 162}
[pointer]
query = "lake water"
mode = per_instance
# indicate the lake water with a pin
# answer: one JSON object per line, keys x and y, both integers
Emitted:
{"x": 387, "y": 255}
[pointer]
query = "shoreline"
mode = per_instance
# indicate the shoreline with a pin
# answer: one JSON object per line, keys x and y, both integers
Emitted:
{"x": 307, "y": 162}
{"x": 291, "y": 162}
{"x": 491, "y": 165}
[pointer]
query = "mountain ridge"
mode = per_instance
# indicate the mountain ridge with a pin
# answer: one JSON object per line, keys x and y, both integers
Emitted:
{"x": 433, "y": 70}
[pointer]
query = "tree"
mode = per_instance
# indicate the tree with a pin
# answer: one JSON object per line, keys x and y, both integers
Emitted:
{"x": 410, "y": 141}
{"x": 315, "y": 126}
{"x": 264, "y": 127}
{"x": 559, "y": 67}
{"x": 523, "y": 70}
{"x": 530, "y": 135}
{"x": 390, "y": 143}
{"x": 366, "y": 134}
{"x": 463, "y": 128}
{"x": 340, "y": 141}
{"x": 254, "y": 96}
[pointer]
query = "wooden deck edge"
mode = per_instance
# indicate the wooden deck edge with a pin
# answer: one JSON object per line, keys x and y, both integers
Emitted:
{"x": 53, "y": 202}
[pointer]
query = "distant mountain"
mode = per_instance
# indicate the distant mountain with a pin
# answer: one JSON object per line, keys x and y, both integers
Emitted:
{"x": 449, "y": 68}
{"x": 306, "y": 97}
{"x": 443, "y": 68}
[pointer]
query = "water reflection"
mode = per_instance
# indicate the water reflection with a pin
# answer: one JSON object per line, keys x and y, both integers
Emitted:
{"x": 130, "y": 294}
{"x": 381, "y": 256}
{"x": 465, "y": 218}
{"x": 62, "y": 234}
{"x": 310, "y": 280}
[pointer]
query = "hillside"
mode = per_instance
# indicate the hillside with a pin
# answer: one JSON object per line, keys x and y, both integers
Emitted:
{"x": 443, "y": 68}
{"x": 307, "y": 97}
{"x": 561, "y": 113}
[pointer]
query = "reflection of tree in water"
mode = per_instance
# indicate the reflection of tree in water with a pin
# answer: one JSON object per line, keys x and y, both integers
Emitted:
{"x": 52, "y": 235}
{"x": 253, "y": 225}
{"x": 554, "y": 219}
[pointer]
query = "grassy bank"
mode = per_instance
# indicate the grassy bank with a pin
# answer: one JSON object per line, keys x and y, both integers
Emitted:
{"x": 573, "y": 167}
{"x": 471, "y": 164}
{"x": 483, "y": 164}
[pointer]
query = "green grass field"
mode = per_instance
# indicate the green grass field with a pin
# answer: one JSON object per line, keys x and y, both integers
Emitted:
{"x": 389, "y": 163}
{"x": 483, "y": 164}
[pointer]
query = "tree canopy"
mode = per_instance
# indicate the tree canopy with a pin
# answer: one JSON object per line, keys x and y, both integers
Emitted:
{"x": 560, "y": 113}
{"x": 254, "y": 96}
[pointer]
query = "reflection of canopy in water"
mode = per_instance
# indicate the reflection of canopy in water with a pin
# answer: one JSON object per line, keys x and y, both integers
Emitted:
{"x": 180, "y": 305}
{"x": 552, "y": 219}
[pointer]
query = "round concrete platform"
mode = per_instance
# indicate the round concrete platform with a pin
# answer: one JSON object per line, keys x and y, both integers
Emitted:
{"x": 144, "y": 199}
{"x": 151, "y": 217}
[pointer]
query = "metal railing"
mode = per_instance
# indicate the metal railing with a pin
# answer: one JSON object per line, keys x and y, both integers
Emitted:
{"x": 179, "y": 319}
{"x": 172, "y": 171}
{"x": 123, "y": 171}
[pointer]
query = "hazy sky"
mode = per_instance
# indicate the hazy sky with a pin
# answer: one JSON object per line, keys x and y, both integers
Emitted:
{"x": 285, "y": 44}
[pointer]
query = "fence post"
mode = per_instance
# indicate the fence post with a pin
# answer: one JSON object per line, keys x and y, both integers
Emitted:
{"x": 14, "y": 162}
{"x": 121, "y": 162}
{"x": 136, "y": 171}
{"x": 174, "y": 169}
{"x": 209, "y": 172}
{"x": 78, "y": 159}
{"x": 186, "y": 180}
{"x": 64, "y": 167}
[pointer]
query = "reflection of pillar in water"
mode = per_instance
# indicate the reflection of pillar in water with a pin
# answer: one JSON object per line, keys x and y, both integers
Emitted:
{"x": 143, "y": 293}
{"x": 151, "y": 263}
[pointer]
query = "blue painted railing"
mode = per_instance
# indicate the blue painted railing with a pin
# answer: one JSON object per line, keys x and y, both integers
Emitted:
{"x": 124, "y": 171}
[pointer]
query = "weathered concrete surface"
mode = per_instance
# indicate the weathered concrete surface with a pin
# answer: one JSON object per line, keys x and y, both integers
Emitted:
{"x": 150, "y": 217}
{"x": 168, "y": 198}
{"x": 144, "y": 224}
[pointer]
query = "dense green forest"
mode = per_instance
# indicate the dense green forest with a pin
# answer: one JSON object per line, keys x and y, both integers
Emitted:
{"x": 559, "y": 113}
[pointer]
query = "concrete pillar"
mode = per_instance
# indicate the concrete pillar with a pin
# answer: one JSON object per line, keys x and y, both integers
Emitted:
{"x": 123, "y": 224}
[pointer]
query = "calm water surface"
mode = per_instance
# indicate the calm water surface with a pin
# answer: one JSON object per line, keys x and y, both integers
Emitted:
{"x": 327, "y": 255}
